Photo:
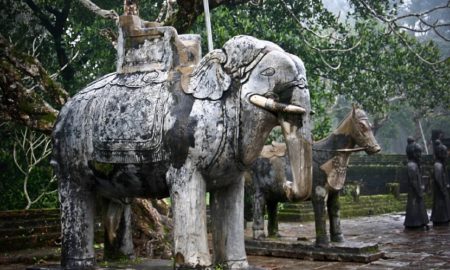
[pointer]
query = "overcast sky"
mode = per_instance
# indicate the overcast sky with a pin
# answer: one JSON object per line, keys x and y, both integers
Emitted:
{"x": 337, "y": 6}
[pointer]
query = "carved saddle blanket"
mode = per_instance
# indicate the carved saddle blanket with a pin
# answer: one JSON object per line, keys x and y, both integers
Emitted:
{"x": 129, "y": 118}
{"x": 336, "y": 170}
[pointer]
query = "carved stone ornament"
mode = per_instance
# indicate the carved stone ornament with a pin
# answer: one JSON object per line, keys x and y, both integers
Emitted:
{"x": 336, "y": 170}
{"x": 274, "y": 150}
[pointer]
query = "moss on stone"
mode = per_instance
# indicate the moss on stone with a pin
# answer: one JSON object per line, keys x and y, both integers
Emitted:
{"x": 104, "y": 168}
{"x": 366, "y": 206}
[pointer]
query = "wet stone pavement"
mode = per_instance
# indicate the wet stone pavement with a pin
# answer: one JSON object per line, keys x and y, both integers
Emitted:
{"x": 404, "y": 249}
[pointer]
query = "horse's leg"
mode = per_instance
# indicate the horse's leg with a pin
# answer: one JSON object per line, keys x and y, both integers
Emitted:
{"x": 259, "y": 205}
{"x": 188, "y": 195}
{"x": 272, "y": 212}
{"x": 227, "y": 217}
{"x": 118, "y": 232}
{"x": 334, "y": 217}
{"x": 77, "y": 223}
{"x": 318, "y": 200}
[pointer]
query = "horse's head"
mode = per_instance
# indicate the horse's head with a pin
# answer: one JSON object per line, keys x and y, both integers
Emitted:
{"x": 362, "y": 131}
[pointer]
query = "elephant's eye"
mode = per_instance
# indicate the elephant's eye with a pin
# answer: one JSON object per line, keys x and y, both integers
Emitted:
{"x": 268, "y": 72}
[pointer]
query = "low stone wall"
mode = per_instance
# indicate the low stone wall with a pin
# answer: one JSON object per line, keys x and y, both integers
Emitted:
{"x": 374, "y": 172}
{"x": 22, "y": 229}
{"x": 363, "y": 206}
{"x": 29, "y": 229}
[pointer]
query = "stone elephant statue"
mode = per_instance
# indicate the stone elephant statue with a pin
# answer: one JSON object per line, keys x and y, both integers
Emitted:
{"x": 271, "y": 175}
{"x": 164, "y": 125}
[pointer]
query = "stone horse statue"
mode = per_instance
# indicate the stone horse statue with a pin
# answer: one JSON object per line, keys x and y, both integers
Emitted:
{"x": 166, "y": 124}
{"x": 270, "y": 176}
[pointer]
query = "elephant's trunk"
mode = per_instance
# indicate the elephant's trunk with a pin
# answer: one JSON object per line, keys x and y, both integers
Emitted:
{"x": 299, "y": 147}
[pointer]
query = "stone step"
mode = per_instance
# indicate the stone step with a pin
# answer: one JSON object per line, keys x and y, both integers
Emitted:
{"x": 30, "y": 241}
{"x": 347, "y": 202}
{"x": 29, "y": 223}
{"x": 385, "y": 205}
{"x": 309, "y": 216}
{"x": 28, "y": 214}
{"x": 345, "y": 205}
{"x": 23, "y": 231}
{"x": 292, "y": 248}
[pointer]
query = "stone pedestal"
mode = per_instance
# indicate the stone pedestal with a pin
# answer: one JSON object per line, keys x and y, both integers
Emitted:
{"x": 143, "y": 264}
{"x": 293, "y": 249}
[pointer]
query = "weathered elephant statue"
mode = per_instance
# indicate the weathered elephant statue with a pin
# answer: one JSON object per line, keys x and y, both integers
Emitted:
{"x": 271, "y": 176}
{"x": 164, "y": 125}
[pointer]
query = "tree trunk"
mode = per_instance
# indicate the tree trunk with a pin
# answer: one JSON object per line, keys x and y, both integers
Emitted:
{"x": 152, "y": 228}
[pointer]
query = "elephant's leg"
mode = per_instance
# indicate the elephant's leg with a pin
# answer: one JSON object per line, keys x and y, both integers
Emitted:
{"x": 318, "y": 201}
{"x": 188, "y": 195}
{"x": 259, "y": 205}
{"x": 118, "y": 231}
{"x": 272, "y": 212}
{"x": 334, "y": 217}
{"x": 77, "y": 224}
{"x": 227, "y": 217}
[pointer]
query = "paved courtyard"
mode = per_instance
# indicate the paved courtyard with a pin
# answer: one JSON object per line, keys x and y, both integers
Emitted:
{"x": 403, "y": 249}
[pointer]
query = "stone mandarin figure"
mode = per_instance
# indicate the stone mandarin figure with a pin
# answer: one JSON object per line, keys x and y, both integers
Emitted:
{"x": 440, "y": 214}
{"x": 166, "y": 124}
{"x": 416, "y": 213}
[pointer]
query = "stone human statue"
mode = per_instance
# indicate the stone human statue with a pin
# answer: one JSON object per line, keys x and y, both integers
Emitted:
{"x": 416, "y": 213}
{"x": 440, "y": 214}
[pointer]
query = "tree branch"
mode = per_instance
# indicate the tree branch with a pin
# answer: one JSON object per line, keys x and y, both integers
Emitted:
{"x": 26, "y": 90}
{"x": 393, "y": 26}
{"x": 45, "y": 20}
{"x": 185, "y": 12}
{"x": 107, "y": 14}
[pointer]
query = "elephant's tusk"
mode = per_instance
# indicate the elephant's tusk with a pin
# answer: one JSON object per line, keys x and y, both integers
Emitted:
{"x": 272, "y": 105}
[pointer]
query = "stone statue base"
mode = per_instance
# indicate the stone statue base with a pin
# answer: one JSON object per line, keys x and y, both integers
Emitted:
{"x": 147, "y": 264}
{"x": 291, "y": 248}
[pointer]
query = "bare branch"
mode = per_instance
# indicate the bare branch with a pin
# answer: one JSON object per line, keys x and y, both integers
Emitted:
{"x": 403, "y": 40}
{"x": 45, "y": 20}
{"x": 304, "y": 27}
{"x": 107, "y": 14}
{"x": 56, "y": 74}
{"x": 394, "y": 26}
{"x": 34, "y": 149}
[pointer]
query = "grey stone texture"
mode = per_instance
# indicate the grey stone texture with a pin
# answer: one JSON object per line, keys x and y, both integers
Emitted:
{"x": 169, "y": 124}
{"x": 270, "y": 177}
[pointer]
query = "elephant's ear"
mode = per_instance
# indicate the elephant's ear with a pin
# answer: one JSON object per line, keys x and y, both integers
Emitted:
{"x": 209, "y": 80}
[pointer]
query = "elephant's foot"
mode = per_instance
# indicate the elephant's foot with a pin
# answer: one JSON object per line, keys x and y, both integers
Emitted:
{"x": 193, "y": 261}
{"x": 274, "y": 235}
{"x": 339, "y": 238}
{"x": 78, "y": 264}
{"x": 322, "y": 241}
{"x": 239, "y": 264}
{"x": 258, "y": 234}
